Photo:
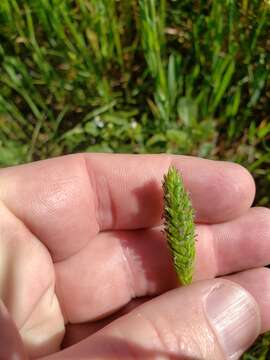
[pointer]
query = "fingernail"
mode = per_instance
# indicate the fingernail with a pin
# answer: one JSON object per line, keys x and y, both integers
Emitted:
{"x": 235, "y": 318}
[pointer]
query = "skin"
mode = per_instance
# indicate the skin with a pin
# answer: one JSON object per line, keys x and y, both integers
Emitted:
{"x": 77, "y": 236}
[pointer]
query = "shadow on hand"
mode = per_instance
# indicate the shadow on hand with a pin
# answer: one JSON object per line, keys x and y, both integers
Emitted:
{"x": 150, "y": 245}
{"x": 149, "y": 204}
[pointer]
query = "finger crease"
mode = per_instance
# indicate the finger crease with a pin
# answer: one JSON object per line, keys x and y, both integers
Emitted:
{"x": 105, "y": 209}
{"x": 130, "y": 276}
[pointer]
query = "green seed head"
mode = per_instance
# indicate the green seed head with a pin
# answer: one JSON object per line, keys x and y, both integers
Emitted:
{"x": 179, "y": 225}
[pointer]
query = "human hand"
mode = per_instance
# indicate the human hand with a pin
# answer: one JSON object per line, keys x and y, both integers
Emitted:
{"x": 80, "y": 238}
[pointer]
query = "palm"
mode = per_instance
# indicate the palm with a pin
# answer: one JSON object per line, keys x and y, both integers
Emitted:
{"x": 96, "y": 222}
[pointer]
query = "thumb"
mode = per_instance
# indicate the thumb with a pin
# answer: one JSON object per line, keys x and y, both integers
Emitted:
{"x": 211, "y": 320}
{"x": 11, "y": 347}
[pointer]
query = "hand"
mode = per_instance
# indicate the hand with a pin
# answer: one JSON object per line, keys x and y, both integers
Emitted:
{"x": 80, "y": 238}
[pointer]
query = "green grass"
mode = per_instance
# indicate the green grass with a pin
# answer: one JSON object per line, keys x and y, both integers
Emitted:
{"x": 137, "y": 76}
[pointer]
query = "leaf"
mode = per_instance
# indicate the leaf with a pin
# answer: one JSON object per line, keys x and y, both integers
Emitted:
{"x": 12, "y": 153}
{"x": 91, "y": 128}
{"x": 233, "y": 106}
{"x": 173, "y": 77}
{"x": 223, "y": 84}
{"x": 187, "y": 111}
{"x": 104, "y": 148}
{"x": 178, "y": 137}
{"x": 157, "y": 138}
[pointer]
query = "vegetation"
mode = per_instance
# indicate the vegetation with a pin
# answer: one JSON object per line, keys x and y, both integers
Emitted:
{"x": 137, "y": 76}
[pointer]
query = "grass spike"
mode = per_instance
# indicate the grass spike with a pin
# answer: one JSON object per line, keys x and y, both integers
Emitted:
{"x": 179, "y": 225}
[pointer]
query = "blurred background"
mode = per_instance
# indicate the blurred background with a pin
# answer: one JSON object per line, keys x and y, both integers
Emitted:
{"x": 138, "y": 76}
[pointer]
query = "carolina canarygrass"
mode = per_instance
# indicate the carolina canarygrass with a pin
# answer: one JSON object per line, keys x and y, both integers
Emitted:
{"x": 179, "y": 225}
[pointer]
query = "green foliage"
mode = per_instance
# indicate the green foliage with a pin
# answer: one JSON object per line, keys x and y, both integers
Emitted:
{"x": 182, "y": 77}
{"x": 179, "y": 225}
{"x": 260, "y": 350}
{"x": 137, "y": 76}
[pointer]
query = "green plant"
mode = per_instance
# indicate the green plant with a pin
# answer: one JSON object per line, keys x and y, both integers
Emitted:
{"x": 179, "y": 225}
{"x": 260, "y": 350}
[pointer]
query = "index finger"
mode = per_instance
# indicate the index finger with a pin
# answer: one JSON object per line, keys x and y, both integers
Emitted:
{"x": 67, "y": 200}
